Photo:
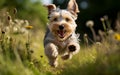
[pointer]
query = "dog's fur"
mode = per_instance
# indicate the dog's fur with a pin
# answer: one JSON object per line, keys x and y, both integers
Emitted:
{"x": 60, "y": 38}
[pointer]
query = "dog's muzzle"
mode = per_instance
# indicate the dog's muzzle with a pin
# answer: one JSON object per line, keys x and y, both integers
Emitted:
{"x": 61, "y": 32}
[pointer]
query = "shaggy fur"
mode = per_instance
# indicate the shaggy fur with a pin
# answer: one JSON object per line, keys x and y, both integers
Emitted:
{"x": 60, "y": 38}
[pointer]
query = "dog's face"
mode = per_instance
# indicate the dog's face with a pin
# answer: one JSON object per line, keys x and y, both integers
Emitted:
{"x": 62, "y": 22}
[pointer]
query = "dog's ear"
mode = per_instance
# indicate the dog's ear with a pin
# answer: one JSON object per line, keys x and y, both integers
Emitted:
{"x": 73, "y": 7}
{"x": 50, "y": 8}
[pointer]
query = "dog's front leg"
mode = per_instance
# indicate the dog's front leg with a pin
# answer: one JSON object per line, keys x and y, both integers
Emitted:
{"x": 73, "y": 47}
{"x": 52, "y": 53}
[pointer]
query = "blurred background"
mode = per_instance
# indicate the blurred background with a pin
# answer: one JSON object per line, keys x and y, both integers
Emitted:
{"x": 32, "y": 10}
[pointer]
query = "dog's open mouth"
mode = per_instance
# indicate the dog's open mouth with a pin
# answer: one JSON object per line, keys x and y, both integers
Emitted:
{"x": 61, "y": 33}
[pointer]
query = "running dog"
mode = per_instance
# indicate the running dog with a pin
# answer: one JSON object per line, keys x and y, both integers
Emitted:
{"x": 60, "y": 38}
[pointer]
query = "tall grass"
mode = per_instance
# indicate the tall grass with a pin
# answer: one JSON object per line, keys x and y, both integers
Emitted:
{"x": 21, "y": 50}
{"x": 100, "y": 59}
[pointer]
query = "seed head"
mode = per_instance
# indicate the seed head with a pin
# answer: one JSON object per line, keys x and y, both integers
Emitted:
{"x": 105, "y": 17}
{"x": 85, "y": 35}
{"x": 90, "y": 23}
{"x": 102, "y": 19}
{"x": 98, "y": 43}
{"x": 110, "y": 31}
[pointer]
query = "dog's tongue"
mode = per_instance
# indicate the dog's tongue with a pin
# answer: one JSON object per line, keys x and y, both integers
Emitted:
{"x": 61, "y": 33}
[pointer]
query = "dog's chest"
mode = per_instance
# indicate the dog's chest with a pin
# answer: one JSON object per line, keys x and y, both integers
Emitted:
{"x": 61, "y": 45}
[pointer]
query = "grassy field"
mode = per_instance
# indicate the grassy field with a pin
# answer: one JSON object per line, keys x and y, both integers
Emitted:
{"x": 22, "y": 52}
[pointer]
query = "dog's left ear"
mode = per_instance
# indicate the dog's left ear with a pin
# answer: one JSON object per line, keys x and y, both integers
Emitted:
{"x": 73, "y": 7}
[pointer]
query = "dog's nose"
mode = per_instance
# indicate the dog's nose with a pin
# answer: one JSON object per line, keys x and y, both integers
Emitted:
{"x": 61, "y": 27}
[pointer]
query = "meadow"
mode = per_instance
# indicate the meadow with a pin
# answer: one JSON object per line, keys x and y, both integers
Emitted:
{"x": 22, "y": 52}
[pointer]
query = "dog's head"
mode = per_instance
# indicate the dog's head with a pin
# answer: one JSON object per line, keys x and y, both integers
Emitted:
{"x": 62, "y": 22}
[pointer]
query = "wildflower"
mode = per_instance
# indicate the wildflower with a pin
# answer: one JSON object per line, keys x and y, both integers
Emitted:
{"x": 90, "y": 23}
{"x": 85, "y": 35}
{"x": 28, "y": 27}
{"x": 23, "y": 30}
{"x": 105, "y": 17}
{"x": 98, "y": 43}
{"x": 102, "y": 19}
{"x": 15, "y": 29}
{"x": 16, "y": 21}
{"x": 103, "y": 23}
{"x": 26, "y": 22}
{"x": 21, "y": 21}
{"x": 110, "y": 31}
{"x": 117, "y": 36}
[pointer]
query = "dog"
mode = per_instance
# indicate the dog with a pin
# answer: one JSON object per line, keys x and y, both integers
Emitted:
{"x": 60, "y": 37}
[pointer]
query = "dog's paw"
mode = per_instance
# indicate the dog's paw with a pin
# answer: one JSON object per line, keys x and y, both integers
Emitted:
{"x": 55, "y": 64}
{"x": 72, "y": 48}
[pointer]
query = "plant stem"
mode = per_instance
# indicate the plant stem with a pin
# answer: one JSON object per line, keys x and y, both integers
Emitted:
{"x": 94, "y": 34}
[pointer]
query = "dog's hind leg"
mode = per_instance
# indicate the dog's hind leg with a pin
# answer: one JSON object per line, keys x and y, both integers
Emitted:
{"x": 66, "y": 56}
{"x": 52, "y": 53}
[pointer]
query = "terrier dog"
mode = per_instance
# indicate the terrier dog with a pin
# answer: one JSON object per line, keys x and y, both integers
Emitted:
{"x": 60, "y": 38}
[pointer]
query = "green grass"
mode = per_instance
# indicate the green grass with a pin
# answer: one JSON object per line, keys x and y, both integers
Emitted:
{"x": 20, "y": 55}
{"x": 94, "y": 61}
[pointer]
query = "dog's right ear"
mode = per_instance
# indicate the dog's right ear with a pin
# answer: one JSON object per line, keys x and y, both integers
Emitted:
{"x": 50, "y": 8}
{"x": 73, "y": 7}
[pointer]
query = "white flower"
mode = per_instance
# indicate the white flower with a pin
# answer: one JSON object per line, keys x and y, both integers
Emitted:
{"x": 23, "y": 30}
{"x": 26, "y": 23}
{"x": 90, "y": 23}
{"x": 110, "y": 31}
{"x": 15, "y": 29}
{"x": 102, "y": 19}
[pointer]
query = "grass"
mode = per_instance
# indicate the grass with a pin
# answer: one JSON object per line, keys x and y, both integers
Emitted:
{"x": 95, "y": 60}
{"x": 22, "y": 53}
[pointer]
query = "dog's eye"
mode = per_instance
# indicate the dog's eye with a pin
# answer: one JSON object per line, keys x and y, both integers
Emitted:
{"x": 67, "y": 19}
{"x": 55, "y": 19}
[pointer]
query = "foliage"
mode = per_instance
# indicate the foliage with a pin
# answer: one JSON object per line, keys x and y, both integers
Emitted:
{"x": 17, "y": 54}
{"x": 26, "y": 9}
